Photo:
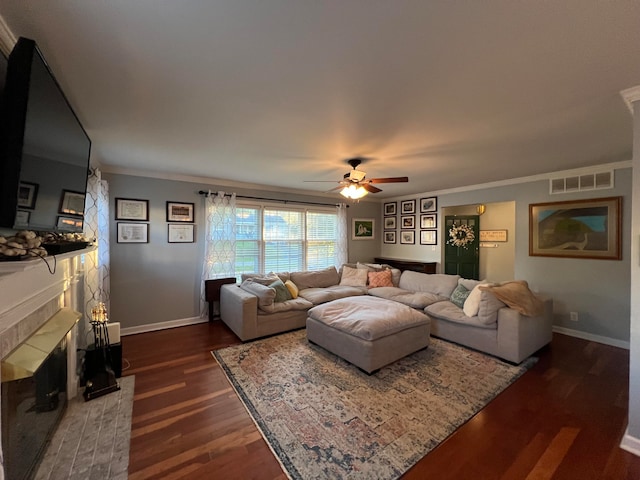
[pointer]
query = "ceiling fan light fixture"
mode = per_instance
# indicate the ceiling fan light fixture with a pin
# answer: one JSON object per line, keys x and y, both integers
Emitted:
{"x": 354, "y": 192}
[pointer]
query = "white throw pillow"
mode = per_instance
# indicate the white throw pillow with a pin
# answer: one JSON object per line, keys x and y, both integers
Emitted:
{"x": 472, "y": 303}
{"x": 354, "y": 277}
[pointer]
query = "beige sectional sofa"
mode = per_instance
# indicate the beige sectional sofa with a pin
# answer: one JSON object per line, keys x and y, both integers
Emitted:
{"x": 250, "y": 309}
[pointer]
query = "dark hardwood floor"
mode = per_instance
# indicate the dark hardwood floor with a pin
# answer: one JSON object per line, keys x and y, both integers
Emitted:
{"x": 563, "y": 419}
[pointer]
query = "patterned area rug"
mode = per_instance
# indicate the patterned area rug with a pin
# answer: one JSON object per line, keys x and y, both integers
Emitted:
{"x": 324, "y": 418}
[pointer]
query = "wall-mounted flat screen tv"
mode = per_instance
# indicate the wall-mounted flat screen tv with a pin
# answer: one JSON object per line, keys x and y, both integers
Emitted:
{"x": 44, "y": 150}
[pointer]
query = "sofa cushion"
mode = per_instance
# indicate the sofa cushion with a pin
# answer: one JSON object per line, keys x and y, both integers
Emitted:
{"x": 353, "y": 277}
{"x": 379, "y": 279}
{"x": 412, "y": 299}
{"x": 452, "y": 313}
{"x": 489, "y": 306}
{"x": 293, "y": 304}
{"x": 437, "y": 283}
{"x": 367, "y": 317}
{"x": 261, "y": 278}
{"x": 322, "y": 295}
{"x": 282, "y": 293}
{"x": 379, "y": 267}
{"x": 266, "y": 295}
{"x": 316, "y": 279}
{"x": 459, "y": 295}
{"x": 470, "y": 284}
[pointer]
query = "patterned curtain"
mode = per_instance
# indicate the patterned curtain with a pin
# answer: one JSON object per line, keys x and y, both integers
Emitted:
{"x": 96, "y": 266}
{"x": 220, "y": 240}
{"x": 342, "y": 254}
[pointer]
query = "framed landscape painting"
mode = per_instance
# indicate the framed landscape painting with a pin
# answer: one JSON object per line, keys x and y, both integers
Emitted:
{"x": 576, "y": 229}
{"x": 362, "y": 229}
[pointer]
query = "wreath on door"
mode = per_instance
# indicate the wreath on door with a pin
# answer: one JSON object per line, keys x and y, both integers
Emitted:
{"x": 461, "y": 236}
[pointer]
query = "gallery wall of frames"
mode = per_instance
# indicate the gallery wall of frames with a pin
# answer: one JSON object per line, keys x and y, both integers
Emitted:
{"x": 405, "y": 220}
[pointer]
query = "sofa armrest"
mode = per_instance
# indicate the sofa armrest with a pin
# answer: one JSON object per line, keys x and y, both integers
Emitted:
{"x": 520, "y": 336}
{"x": 239, "y": 311}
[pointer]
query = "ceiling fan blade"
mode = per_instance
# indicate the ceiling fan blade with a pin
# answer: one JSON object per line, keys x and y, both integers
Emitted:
{"x": 370, "y": 188}
{"x": 389, "y": 180}
{"x": 335, "y": 189}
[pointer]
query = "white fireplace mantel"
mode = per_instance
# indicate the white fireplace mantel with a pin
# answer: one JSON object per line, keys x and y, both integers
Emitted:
{"x": 27, "y": 286}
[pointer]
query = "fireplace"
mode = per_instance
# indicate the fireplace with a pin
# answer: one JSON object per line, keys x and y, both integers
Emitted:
{"x": 38, "y": 340}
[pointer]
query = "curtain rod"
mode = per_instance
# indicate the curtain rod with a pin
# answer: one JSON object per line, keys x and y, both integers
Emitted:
{"x": 206, "y": 194}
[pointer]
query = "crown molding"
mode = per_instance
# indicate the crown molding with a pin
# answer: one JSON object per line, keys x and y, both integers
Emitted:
{"x": 631, "y": 95}
{"x": 219, "y": 182}
{"x": 7, "y": 38}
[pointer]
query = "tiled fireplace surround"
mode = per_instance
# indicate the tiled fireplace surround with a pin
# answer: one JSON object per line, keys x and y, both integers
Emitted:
{"x": 30, "y": 295}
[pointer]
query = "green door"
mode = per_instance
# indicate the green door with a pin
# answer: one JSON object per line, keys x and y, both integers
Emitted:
{"x": 462, "y": 260}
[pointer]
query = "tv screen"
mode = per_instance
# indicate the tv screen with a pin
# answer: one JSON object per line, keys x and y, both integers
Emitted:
{"x": 44, "y": 151}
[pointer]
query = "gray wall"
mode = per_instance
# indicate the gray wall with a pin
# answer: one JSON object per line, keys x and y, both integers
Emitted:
{"x": 160, "y": 281}
{"x": 598, "y": 290}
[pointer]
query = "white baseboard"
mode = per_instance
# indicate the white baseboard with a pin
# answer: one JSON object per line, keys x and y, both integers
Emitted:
{"x": 614, "y": 342}
{"x": 630, "y": 444}
{"x": 152, "y": 327}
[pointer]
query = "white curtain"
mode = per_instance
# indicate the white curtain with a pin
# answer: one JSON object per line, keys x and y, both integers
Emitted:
{"x": 342, "y": 254}
{"x": 220, "y": 240}
{"x": 96, "y": 229}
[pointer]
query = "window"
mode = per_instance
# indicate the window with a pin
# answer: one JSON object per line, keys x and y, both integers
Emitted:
{"x": 271, "y": 239}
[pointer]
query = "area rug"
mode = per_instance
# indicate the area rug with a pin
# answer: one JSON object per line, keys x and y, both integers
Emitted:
{"x": 324, "y": 418}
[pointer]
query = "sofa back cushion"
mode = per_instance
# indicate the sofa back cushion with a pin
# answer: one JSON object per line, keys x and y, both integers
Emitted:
{"x": 437, "y": 283}
{"x": 266, "y": 295}
{"x": 316, "y": 279}
{"x": 353, "y": 277}
{"x": 489, "y": 306}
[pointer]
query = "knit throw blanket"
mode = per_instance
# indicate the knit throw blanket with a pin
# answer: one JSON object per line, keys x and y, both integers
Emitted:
{"x": 517, "y": 295}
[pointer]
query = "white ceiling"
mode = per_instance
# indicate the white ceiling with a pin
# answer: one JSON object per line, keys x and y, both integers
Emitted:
{"x": 276, "y": 92}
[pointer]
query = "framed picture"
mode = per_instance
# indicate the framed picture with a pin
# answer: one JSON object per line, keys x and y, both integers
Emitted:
{"x": 22, "y": 217}
{"x": 66, "y": 222}
{"x": 390, "y": 208}
{"x": 180, "y": 212}
{"x": 27, "y": 195}
{"x": 408, "y": 207}
{"x": 408, "y": 221}
{"x": 389, "y": 223}
{"x": 133, "y": 232}
{"x": 362, "y": 229}
{"x": 407, "y": 236}
{"x": 577, "y": 229}
{"x": 493, "y": 235}
{"x": 429, "y": 221}
{"x": 389, "y": 237}
{"x": 428, "y": 237}
{"x": 72, "y": 203}
{"x": 180, "y": 233}
{"x": 429, "y": 204}
{"x": 132, "y": 209}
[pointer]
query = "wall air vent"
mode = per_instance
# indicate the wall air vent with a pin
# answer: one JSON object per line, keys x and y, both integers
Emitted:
{"x": 578, "y": 183}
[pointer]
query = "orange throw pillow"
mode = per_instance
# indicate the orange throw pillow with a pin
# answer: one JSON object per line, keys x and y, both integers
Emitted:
{"x": 380, "y": 279}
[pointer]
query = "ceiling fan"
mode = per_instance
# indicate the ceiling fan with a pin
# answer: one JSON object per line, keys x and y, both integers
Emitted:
{"x": 355, "y": 185}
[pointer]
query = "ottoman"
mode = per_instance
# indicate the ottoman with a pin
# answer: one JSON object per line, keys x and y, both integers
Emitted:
{"x": 368, "y": 332}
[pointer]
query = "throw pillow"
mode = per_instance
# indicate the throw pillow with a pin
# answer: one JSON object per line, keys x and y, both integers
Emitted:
{"x": 293, "y": 289}
{"x": 282, "y": 292}
{"x": 459, "y": 295}
{"x": 380, "y": 279}
{"x": 354, "y": 277}
{"x": 472, "y": 303}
